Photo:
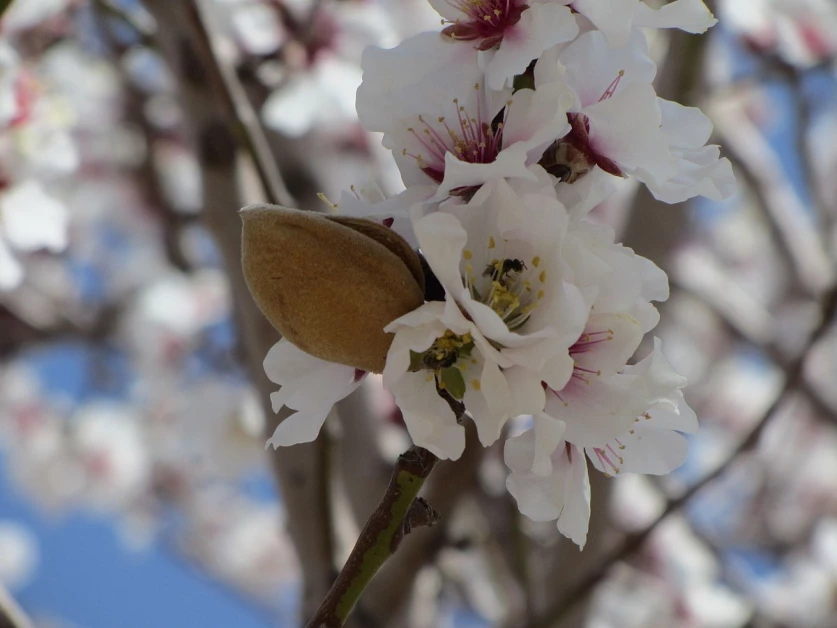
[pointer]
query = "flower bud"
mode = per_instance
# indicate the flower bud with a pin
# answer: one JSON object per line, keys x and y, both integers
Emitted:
{"x": 330, "y": 284}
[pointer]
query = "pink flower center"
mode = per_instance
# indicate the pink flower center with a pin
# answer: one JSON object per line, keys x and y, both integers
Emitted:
{"x": 485, "y": 21}
{"x": 584, "y": 344}
{"x": 471, "y": 138}
{"x": 575, "y": 154}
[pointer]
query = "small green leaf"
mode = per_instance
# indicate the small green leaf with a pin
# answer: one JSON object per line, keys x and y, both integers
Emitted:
{"x": 453, "y": 382}
{"x": 524, "y": 81}
{"x": 416, "y": 362}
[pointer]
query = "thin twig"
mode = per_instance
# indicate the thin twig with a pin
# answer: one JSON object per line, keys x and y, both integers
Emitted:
{"x": 246, "y": 121}
{"x": 380, "y": 537}
{"x": 802, "y": 104}
{"x": 633, "y": 542}
{"x": 11, "y": 615}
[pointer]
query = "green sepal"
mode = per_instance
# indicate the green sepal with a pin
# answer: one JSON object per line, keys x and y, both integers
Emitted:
{"x": 523, "y": 81}
{"x": 453, "y": 381}
{"x": 416, "y": 362}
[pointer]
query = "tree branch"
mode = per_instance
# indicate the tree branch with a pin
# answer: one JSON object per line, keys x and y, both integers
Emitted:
{"x": 245, "y": 120}
{"x": 299, "y": 470}
{"x": 11, "y": 615}
{"x": 397, "y": 514}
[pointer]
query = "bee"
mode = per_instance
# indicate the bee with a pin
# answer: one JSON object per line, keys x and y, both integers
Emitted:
{"x": 436, "y": 360}
{"x": 499, "y": 270}
{"x": 565, "y": 162}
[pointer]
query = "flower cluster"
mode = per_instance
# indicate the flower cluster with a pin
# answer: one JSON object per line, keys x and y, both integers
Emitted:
{"x": 508, "y": 126}
{"x": 35, "y": 148}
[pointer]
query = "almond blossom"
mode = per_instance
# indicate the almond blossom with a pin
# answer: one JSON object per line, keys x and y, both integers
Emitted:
{"x": 655, "y": 147}
{"x": 454, "y": 135}
{"x": 558, "y": 487}
{"x": 506, "y": 34}
{"x": 35, "y": 146}
{"x": 508, "y": 127}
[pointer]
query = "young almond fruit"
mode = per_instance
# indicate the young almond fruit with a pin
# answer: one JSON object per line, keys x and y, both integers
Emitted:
{"x": 330, "y": 284}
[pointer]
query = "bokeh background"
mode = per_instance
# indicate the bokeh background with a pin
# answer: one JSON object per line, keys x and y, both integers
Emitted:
{"x": 135, "y": 489}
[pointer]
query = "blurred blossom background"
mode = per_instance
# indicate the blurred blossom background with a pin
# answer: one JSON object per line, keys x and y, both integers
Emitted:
{"x": 135, "y": 489}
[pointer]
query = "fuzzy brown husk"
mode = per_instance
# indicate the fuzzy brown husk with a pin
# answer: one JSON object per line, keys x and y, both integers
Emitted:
{"x": 330, "y": 284}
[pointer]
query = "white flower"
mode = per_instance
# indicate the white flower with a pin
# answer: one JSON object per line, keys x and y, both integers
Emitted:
{"x": 507, "y": 33}
{"x": 447, "y": 131}
{"x": 557, "y": 486}
{"x": 499, "y": 258}
{"x": 615, "y": 123}
{"x": 436, "y": 348}
{"x": 700, "y": 171}
{"x": 310, "y": 386}
{"x": 621, "y": 127}
{"x": 653, "y": 445}
{"x": 507, "y": 321}
{"x": 317, "y": 93}
{"x": 30, "y": 219}
{"x": 109, "y": 444}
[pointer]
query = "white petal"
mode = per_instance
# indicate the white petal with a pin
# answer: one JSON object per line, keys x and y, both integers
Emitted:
{"x": 489, "y": 405}
{"x": 598, "y": 411}
{"x": 613, "y": 18}
{"x": 649, "y": 451}
{"x": 429, "y": 419}
{"x": 640, "y": 144}
{"x": 575, "y": 516}
{"x": 526, "y": 391}
{"x": 33, "y": 219}
{"x": 549, "y": 435}
{"x": 299, "y": 427}
{"x": 692, "y": 16}
{"x": 541, "y": 26}
{"x": 438, "y": 70}
{"x": 442, "y": 239}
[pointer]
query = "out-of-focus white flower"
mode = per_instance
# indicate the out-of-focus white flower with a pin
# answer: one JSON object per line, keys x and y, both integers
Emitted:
{"x": 18, "y": 554}
{"x": 30, "y": 220}
{"x": 317, "y": 93}
{"x": 802, "y": 32}
{"x": 109, "y": 445}
{"x": 222, "y": 425}
{"x": 23, "y": 15}
{"x": 34, "y": 145}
